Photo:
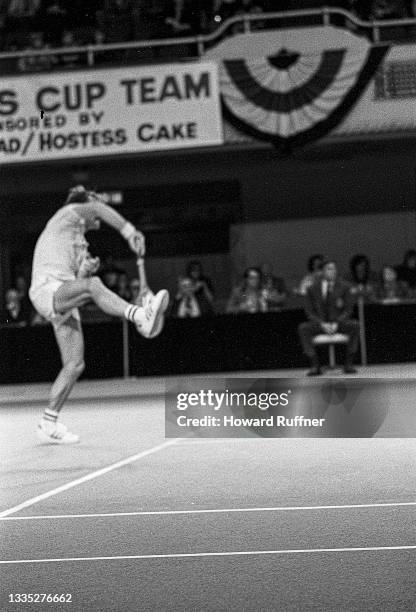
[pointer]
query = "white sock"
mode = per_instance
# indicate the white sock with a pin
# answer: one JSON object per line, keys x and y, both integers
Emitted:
{"x": 49, "y": 420}
{"x": 130, "y": 312}
{"x": 49, "y": 415}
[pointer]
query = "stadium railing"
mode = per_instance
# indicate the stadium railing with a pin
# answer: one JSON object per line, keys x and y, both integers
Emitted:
{"x": 193, "y": 47}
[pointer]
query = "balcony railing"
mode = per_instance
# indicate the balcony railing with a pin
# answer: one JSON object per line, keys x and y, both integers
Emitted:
{"x": 194, "y": 47}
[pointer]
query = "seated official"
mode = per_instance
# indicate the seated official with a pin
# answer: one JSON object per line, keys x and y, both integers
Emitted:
{"x": 328, "y": 307}
{"x": 189, "y": 303}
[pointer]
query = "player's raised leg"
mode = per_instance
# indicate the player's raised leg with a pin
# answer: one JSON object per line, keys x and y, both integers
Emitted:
{"x": 73, "y": 294}
{"x": 71, "y": 347}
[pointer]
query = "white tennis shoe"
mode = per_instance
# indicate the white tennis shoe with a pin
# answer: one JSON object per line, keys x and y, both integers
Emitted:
{"x": 150, "y": 319}
{"x": 55, "y": 433}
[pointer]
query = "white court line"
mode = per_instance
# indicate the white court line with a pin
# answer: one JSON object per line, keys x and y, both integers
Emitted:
{"x": 204, "y": 511}
{"x": 211, "y": 554}
{"x": 91, "y": 476}
{"x": 196, "y": 440}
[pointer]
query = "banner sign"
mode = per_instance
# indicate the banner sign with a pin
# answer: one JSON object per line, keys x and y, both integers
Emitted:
{"x": 92, "y": 113}
{"x": 289, "y": 87}
{"x": 292, "y": 98}
{"x": 289, "y": 408}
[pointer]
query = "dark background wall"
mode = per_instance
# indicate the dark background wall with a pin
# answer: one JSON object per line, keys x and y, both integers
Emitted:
{"x": 187, "y": 202}
{"x": 343, "y": 178}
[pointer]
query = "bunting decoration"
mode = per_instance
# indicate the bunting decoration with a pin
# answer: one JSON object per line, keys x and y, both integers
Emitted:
{"x": 293, "y": 98}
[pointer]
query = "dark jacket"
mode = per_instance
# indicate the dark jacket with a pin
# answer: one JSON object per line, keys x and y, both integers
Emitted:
{"x": 336, "y": 307}
{"x": 407, "y": 275}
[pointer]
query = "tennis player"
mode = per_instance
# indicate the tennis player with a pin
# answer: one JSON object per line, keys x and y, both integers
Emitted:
{"x": 64, "y": 278}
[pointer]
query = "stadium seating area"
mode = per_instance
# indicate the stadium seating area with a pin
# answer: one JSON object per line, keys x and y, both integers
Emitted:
{"x": 42, "y": 24}
{"x": 196, "y": 295}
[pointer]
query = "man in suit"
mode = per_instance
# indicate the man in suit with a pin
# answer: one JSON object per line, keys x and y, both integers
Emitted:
{"x": 328, "y": 308}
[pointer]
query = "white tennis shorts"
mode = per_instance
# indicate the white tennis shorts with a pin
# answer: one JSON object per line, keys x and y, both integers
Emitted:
{"x": 42, "y": 299}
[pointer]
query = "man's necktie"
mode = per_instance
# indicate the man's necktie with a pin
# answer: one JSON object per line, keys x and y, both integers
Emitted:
{"x": 188, "y": 306}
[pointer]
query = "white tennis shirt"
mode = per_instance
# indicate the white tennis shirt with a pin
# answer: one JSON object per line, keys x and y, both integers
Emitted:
{"x": 60, "y": 248}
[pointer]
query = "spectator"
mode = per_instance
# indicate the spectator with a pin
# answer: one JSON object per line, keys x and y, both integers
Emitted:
{"x": 274, "y": 289}
{"x": 100, "y": 57}
{"x": 186, "y": 303}
{"x": 203, "y": 289}
{"x": 53, "y": 20}
{"x": 390, "y": 289}
{"x": 391, "y": 9}
{"x": 36, "y": 63}
{"x": 188, "y": 17}
{"x": 199, "y": 15}
{"x": 406, "y": 272}
{"x": 315, "y": 263}
{"x": 123, "y": 289}
{"x": 22, "y": 289}
{"x": 69, "y": 60}
{"x": 21, "y": 15}
{"x": 149, "y": 19}
{"x": 248, "y": 296}
{"x": 363, "y": 280}
{"x": 176, "y": 18}
{"x": 99, "y": 37}
{"x": 388, "y": 9}
{"x": 328, "y": 307}
{"x": 110, "y": 279}
{"x": 116, "y": 20}
{"x": 249, "y": 7}
{"x": 15, "y": 312}
{"x": 110, "y": 273}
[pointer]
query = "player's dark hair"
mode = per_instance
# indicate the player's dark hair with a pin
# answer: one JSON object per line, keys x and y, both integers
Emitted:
{"x": 77, "y": 195}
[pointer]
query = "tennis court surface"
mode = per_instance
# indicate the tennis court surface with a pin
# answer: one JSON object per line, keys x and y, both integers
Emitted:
{"x": 128, "y": 520}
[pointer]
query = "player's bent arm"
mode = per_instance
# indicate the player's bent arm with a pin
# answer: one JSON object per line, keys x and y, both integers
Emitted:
{"x": 99, "y": 210}
{"x": 94, "y": 210}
